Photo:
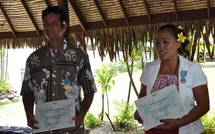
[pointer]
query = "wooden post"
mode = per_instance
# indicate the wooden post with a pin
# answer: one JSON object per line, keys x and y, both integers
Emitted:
{"x": 64, "y": 4}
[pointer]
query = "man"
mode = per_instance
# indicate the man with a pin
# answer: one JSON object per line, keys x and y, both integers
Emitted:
{"x": 57, "y": 71}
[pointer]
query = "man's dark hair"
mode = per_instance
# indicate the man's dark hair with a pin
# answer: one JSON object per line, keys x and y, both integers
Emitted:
{"x": 56, "y": 10}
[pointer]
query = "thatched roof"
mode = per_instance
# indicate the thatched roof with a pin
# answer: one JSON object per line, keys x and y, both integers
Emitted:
{"x": 111, "y": 25}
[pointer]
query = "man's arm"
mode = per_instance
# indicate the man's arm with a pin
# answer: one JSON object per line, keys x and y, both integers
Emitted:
{"x": 28, "y": 102}
{"x": 86, "y": 80}
{"x": 85, "y": 105}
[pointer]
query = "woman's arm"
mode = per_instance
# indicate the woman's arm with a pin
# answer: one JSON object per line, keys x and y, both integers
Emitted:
{"x": 142, "y": 91}
{"x": 202, "y": 107}
{"x": 141, "y": 94}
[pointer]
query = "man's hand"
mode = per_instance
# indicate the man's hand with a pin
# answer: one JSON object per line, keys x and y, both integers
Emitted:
{"x": 78, "y": 119}
{"x": 32, "y": 122}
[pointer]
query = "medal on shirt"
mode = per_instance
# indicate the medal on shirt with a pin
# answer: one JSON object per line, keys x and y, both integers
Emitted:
{"x": 183, "y": 74}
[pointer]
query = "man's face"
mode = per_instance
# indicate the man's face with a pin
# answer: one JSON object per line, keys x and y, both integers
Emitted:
{"x": 52, "y": 27}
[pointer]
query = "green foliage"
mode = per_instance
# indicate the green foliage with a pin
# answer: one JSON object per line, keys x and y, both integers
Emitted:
{"x": 2, "y": 50}
{"x": 138, "y": 65}
{"x": 120, "y": 66}
{"x": 125, "y": 119}
{"x": 208, "y": 121}
{"x": 105, "y": 78}
{"x": 137, "y": 52}
{"x": 5, "y": 86}
{"x": 91, "y": 121}
{"x": 4, "y": 102}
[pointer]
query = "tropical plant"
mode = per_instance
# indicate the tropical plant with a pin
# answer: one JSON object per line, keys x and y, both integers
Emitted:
{"x": 105, "y": 80}
{"x": 91, "y": 121}
{"x": 124, "y": 119}
{"x": 5, "y": 86}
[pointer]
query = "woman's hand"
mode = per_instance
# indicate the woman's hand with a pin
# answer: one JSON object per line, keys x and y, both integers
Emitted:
{"x": 137, "y": 117}
{"x": 169, "y": 124}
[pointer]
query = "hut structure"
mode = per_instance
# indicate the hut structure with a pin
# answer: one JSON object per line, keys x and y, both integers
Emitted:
{"x": 110, "y": 25}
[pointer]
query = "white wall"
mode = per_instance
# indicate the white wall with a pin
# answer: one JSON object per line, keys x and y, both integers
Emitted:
{"x": 16, "y": 62}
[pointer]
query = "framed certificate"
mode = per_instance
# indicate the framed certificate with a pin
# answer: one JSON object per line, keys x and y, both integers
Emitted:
{"x": 163, "y": 104}
{"x": 55, "y": 115}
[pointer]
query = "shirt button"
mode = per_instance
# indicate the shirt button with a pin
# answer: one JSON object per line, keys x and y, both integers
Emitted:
{"x": 53, "y": 94}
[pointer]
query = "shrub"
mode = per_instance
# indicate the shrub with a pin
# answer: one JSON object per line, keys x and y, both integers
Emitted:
{"x": 5, "y": 86}
{"x": 121, "y": 67}
{"x": 125, "y": 118}
{"x": 208, "y": 121}
{"x": 91, "y": 121}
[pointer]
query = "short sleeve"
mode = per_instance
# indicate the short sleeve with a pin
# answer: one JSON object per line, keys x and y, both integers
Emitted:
{"x": 197, "y": 76}
{"x": 85, "y": 77}
{"x": 26, "y": 83}
{"x": 143, "y": 77}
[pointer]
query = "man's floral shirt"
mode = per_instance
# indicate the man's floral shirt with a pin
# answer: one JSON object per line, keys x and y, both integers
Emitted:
{"x": 51, "y": 77}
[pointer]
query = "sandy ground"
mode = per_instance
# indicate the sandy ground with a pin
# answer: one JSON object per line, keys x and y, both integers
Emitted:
{"x": 105, "y": 128}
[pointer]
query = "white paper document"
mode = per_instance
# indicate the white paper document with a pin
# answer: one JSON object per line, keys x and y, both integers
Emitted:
{"x": 55, "y": 115}
{"x": 163, "y": 104}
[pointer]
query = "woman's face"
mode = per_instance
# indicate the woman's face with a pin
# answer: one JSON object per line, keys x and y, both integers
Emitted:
{"x": 166, "y": 45}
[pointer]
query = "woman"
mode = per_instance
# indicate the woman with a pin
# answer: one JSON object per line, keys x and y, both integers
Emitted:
{"x": 173, "y": 68}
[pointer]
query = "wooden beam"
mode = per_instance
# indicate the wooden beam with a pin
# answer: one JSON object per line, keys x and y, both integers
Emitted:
{"x": 147, "y": 11}
{"x": 30, "y": 16}
{"x": 123, "y": 12}
{"x": 78, "y": 14}
{"x": 8, "y": 21}
{"x": 100, "y": 12}
{"x": 47, "y": 2}
{"x": 188, "y": 15}
{"x": 209, "y": 6}
{"x": 64, "y": 4}
{"x": 175, "y": 9}
{"x": 30, "y": 34}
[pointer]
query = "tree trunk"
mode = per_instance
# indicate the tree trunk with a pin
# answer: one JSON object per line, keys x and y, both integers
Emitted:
{"x": 102, "y": 112}
{"x": 107, "y": 103}
{"x": 129, "y": 90}
{"x": 6, "y": 65}
{"x": 131, "y": 79}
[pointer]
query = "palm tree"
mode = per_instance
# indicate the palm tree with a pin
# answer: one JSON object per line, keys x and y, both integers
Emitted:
{"x": 105, "y": 80}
